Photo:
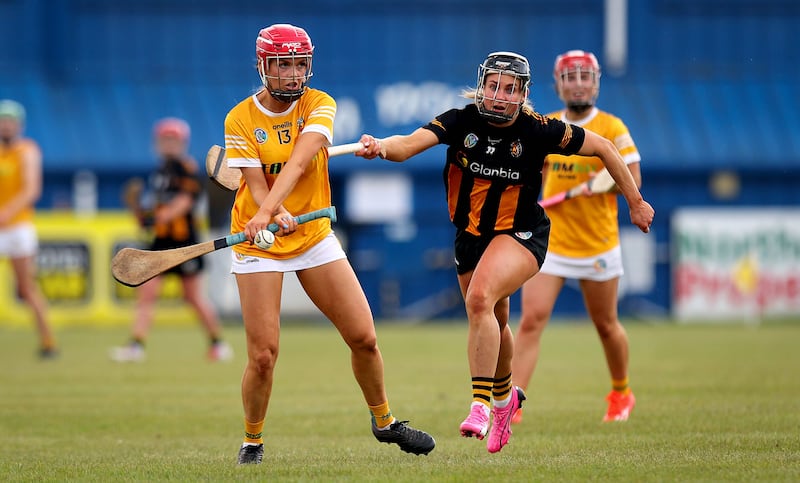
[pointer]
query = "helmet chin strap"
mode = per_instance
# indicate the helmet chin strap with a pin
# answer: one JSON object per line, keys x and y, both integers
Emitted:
{"x": 286, "y": 96}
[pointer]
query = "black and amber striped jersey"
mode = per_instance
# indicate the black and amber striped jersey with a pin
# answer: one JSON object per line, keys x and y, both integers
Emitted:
{"x": 492, "y": 174}
{"x": 173, "y": 177}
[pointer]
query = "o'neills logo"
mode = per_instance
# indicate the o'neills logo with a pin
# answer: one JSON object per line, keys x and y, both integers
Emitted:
{"x": 482, "y": 170}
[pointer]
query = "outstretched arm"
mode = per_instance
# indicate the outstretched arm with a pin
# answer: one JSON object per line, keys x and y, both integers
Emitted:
{"x": 397, "y": 148}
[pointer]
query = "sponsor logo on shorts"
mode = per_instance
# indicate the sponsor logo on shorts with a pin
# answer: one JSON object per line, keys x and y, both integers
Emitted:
{"x": 523, "y": 235}
{"x": 600, "y": 265}
{"x": 244, "y": 258}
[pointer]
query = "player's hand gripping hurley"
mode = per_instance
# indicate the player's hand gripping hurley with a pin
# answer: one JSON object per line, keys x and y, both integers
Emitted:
{"x": 133, "y": 267}
{"x": 602, "y": 182}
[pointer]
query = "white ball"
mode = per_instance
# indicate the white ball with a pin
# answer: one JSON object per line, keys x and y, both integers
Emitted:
{"x": 264, "y": 239}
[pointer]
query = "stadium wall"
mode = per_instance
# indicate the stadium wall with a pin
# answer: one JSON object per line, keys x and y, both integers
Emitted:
{"x": 704, "y": 93}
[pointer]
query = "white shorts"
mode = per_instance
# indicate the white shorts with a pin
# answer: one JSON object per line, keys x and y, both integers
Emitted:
{"x": 327, "y": 250}
{"x": 600, "y": 268}
{"x": 19, "y": 241}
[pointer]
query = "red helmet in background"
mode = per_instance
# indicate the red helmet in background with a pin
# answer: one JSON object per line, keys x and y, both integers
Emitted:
{"x": 283, "y": 41}
{"x": 174, "y": 127}
{"x": 574, "y": 72}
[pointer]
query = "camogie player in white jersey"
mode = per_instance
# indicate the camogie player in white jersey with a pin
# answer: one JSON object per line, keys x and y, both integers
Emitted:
{"x": 584, "y": 237}
{"x": 278, "y": 138}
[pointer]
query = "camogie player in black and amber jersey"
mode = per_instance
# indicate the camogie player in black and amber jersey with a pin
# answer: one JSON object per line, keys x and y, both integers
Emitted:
{"x": 173, "y": 190}
{"x": 492, "y": 175}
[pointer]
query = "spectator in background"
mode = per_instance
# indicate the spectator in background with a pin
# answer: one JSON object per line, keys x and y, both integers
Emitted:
{"x": 584, "y": 236}
{"x": 496, "y": 149}
{"x": 20, "y": 188}
{"x": 173, "y": 189}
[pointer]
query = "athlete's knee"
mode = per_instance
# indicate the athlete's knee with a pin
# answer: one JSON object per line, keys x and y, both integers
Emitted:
{"x": 532, "y": 323}
{"x": 608, "y": 327}
{"x": 263, "y": 359}
{"x": 478, "y": 301}
{"x": 365, "y": 341}
{"x": 23, "y": 292}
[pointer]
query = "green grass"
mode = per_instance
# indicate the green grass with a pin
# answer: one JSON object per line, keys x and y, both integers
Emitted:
{"x": 715, "y": 403}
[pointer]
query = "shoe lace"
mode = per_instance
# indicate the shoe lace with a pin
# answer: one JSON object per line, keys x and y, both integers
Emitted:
{"x": 400, "y": 426}
{"x": 411, "y": 434}
{"x": 478, "y": 414}
{"x": 502, "y": 414}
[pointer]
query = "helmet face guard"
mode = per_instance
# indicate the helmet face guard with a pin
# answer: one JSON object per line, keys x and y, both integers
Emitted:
{"x": 504, "y": 64}
{"x": 577, "y": 69}
{"x": 284, "y": 45}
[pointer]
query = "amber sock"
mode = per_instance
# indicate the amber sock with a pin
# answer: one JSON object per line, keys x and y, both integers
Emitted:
{"x": 621, "y": 386}
{"x": 254, "y": 432}
{"x": 381, "y": 415}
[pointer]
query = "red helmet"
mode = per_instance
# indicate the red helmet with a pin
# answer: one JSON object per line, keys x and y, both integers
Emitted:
{"x": 577, "y": 62}
{"x": 172, "y": 126}
{"x": 283, "y": 41}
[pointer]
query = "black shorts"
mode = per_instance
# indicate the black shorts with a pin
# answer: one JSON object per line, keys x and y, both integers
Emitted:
{"x": 189, "y": 267}
{"x": 469, "y": 248}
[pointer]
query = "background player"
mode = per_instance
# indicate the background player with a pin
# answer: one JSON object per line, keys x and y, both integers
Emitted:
{"x": 173, "y": 189}
{"x": 20, "y": 188}
{"x": 584, "y": 237}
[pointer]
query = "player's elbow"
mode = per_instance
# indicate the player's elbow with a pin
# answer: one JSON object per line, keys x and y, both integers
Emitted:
{"x": 605, "y": 148}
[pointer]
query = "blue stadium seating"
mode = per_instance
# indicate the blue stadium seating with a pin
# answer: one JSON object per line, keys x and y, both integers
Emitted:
{"x": 708, "y": 85}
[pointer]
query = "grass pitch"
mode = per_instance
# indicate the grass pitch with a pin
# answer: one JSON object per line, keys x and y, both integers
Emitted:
{"x": 714, "y": 403}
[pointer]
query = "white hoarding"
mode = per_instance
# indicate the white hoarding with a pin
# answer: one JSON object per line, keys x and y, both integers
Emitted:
{"x": 736, "y": 263}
